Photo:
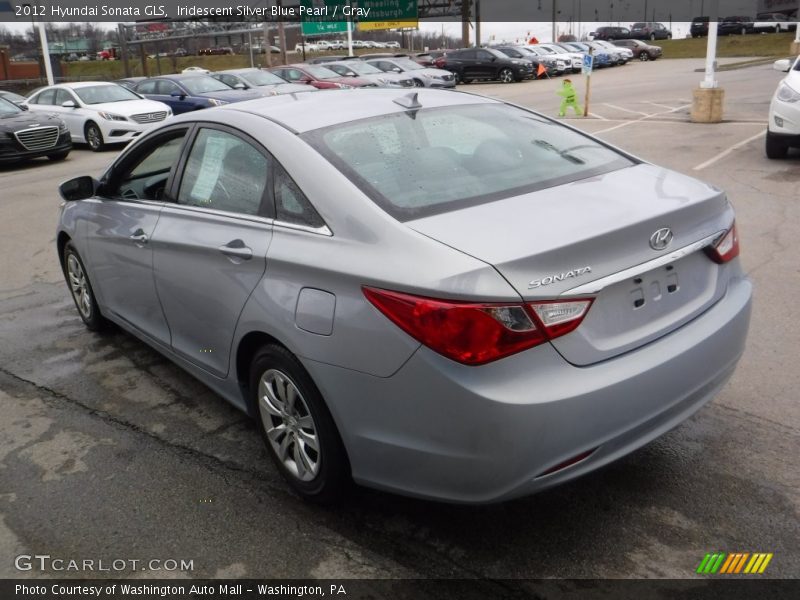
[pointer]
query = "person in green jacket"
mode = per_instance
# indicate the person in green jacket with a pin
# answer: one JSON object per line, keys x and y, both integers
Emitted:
{"x": 570, "y": 98}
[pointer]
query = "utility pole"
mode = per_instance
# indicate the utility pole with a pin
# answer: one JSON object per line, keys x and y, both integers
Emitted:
{"x": 477, "y": 23}
{"x": 795, "y": 49}
{"x": 266, "y": 45}
{"x": 554, "y": 40}
{"x": 707, "y": 100}
{"x": 48, "y": 68}
{"x": 282, "y": 37}
{"x": 123, "y": 45}
{"x": 465, "y": 23}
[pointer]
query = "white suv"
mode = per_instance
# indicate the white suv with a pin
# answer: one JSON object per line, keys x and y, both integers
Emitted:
{"x": 783, "y": 127}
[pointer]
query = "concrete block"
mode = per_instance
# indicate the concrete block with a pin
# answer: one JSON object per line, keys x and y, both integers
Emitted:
{"x": 707, "y": 105}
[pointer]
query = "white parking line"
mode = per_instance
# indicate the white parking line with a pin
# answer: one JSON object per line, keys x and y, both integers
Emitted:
{"x": 626, "y": 123}
{"x": 596, "y": 116}
{"x": 635, "y": 112}
{"x": 660, "y": 105}
{"x": 725, "y": 153}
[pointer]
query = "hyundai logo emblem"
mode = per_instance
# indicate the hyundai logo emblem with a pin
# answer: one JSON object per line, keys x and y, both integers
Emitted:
{"x": 661, "y": 239}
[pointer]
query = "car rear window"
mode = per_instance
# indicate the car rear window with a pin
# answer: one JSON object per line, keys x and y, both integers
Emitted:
{"x": 422, "y": 162}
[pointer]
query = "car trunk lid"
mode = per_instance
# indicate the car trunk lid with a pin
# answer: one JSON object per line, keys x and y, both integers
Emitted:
{"x": 548, "y": 243}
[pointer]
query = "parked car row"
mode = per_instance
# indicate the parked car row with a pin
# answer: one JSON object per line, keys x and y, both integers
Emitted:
{"x": 102, "y": 113}
{"x": 324, "y": 46}
{"x": 643, "y": 30}
{"x": 509, "y": 63}
{"x": 743, "y": 25}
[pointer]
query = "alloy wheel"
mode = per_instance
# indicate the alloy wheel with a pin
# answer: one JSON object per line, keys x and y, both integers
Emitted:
{"x": 289, "y": 425}
{"x": 93, "y": 137}
{"x": 79, "y": 286}
{"x": 506, "y": 76}
{"x": 644, "y": 56}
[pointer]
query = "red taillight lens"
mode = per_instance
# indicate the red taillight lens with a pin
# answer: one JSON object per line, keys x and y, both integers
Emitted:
{"x": 478, "y": 333}
{"x": 726, "y": 248}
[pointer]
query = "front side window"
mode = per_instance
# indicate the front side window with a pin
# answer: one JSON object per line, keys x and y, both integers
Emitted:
{"x": 46, "y": 97}
{"x": 146, "y": 87}
{"x": 145, "y": 175}
{"x": 224, "y": 172}
{"x": 442, "y": 159}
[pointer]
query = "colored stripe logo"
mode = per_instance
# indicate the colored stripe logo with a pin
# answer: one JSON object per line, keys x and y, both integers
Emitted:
{"x": 734, "y": 563}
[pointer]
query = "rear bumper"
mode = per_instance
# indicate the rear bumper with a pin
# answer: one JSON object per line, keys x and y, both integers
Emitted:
{"x": 440, "y": 430}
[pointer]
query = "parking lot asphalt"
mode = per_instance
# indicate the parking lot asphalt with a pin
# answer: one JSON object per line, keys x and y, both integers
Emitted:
{"x": 107, "y": 450}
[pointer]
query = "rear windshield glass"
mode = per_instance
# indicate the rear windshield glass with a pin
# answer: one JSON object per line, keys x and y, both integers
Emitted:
{"x": 418, "y": 163}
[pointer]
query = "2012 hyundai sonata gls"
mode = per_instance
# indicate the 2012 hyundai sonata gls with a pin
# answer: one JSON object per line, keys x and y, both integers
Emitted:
{"x": 433, "y": 293}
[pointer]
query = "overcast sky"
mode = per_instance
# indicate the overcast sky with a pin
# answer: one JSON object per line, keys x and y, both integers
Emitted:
{"x": 507, "y": 32}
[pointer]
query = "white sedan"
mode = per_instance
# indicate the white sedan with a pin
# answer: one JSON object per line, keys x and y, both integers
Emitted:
{"x": 198, "y": 70}
{"x": 99, "y": 113}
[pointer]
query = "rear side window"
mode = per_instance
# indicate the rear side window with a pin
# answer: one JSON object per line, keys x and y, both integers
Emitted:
{"x": 415, "y": 164}
{"x": 224, "y": 172}
{"x": 291, "y": 205}
{"x": 46, "y": 97}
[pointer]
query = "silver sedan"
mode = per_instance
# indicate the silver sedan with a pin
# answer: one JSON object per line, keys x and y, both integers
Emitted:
{"x": 427, "y": 292}
{"x": 422, "y": 76}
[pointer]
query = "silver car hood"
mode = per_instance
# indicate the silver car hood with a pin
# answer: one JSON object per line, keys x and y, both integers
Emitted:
{"x": 604, "y": 223}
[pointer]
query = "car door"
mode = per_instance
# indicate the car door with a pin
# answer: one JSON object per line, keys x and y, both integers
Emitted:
{"x": 486, "y": 64}
{"x": 180, "y": 103}
{"x": 75, "y": 117}
{"x": 210, "y": 245}
{"x": 121, "y": 225}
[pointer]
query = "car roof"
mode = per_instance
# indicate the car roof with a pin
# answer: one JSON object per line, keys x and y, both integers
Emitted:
{"x": 82, "y": 84}
{"x": 305, "y": 112}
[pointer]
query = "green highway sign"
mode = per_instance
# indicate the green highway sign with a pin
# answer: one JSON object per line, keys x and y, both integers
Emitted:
{"x": 322, "y": 25}
{"x": 389, "y": 10}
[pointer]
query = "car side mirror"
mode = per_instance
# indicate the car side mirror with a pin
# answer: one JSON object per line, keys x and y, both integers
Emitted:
{"x": 178, "y": 94}
{"x": 240, "y": 86}
{"x": 23, "y": 106}
{"x": 304, "y": 80}
{"x": 784, "y": 64}
{"x": 78, "y": 188}
{"x": 397, "y": 70}
{"x": 69, "y": 104}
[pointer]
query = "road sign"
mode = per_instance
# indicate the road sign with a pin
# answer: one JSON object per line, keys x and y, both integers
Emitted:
{"x": 588, "y": 63}
{"x": 323, "y": 25}
{"x": 389, "y": 10}
{"x": 375, "y": 25}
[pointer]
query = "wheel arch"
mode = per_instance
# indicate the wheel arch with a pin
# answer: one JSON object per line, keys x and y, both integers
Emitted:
{"x": 248, "y": 345}
{"x": 61, "y": 242}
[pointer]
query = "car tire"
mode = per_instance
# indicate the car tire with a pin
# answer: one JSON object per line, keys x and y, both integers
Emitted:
{"x": 652, "y": 36}
{"x": 743, "y": 31}
{"x": 418, "y": 83}
{"x": 58, "y": 156}
{"x": 776, "y": 148}
{"x": 81, "y": 290}
{"x": 777, "y": 29}
{"x": 506, "y": 76}
{"x": 293, "y": 418}
{"x": 93, "y": 136}
{"x": 644, "y": 56}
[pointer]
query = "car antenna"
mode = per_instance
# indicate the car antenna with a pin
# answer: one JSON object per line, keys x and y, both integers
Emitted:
{"x": 409, "y": 101}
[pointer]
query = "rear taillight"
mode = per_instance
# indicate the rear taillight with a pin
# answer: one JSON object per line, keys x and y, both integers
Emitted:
{"x": 726, "y": 248}
{"x": 478, "y": 333}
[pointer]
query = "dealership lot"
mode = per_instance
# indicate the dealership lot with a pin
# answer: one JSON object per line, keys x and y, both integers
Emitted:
{"x": 108, "y": 451}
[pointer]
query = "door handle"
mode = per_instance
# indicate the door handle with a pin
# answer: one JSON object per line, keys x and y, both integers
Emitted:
{"x": 139, "y": 237}
{"x": 236, "y": 249}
